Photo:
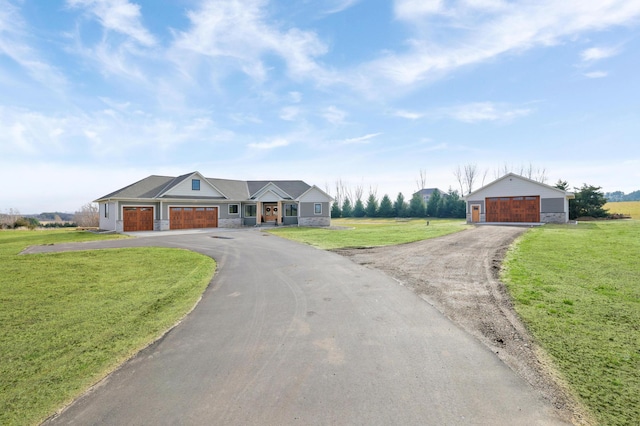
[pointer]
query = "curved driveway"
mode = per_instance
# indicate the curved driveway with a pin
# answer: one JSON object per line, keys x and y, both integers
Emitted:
{"x": 287, "y": 334}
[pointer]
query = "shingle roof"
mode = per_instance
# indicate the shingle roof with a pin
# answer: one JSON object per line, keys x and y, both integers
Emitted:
{"x": 154, "y": 186}
{"x": 294, "y": 188}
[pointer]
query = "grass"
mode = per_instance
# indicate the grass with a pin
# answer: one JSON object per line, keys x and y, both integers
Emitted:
{"x": 371, "y": 232}
{"x": 628, "y": 208}
{"x": 578, "y": 290}
{"x": 70, "y": 318}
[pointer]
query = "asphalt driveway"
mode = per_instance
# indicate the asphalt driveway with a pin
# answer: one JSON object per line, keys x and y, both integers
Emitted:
{"x": 287, "y": 334}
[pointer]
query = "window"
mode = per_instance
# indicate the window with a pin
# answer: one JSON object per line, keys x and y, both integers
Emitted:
{"x": 317, "y": 208}
{"x": 250, "y": 210}
{"x": 233, "y": 209}
{"x": 195, "y": 184}
{"x": 106, "y": 209}
{"x": 291, "y": 210}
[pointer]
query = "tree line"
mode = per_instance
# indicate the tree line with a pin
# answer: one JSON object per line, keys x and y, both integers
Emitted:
{"x": 86, "y": 216}
{"x": 440, "y": 205}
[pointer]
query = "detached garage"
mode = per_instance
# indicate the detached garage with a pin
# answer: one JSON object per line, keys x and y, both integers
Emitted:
{"x": 516, "y": 199}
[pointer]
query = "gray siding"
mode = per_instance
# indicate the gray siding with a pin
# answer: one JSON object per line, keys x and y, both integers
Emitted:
{"x": 552, "y": 205}
{"x": 481, "y": 202}
{"x": 307, "y": 210}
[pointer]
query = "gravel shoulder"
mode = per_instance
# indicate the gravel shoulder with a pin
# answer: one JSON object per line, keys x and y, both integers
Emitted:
{"x": 459, "y": 275}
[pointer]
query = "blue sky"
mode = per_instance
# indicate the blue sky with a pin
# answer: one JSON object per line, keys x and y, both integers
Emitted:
{"x": 96, "y": 94}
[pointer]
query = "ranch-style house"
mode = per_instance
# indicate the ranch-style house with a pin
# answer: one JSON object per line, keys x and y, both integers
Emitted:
{"x": 161, "y": 203}
{"x": 516, "y": 199}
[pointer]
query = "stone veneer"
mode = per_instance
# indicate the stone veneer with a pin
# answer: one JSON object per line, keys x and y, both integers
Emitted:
{"x": 552, "y": 217}
{"x": 314, "y": 221}
{"x": 230, "y": 223}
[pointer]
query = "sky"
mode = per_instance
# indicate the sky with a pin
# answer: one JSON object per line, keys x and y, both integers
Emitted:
{"x": 98, "y": 94}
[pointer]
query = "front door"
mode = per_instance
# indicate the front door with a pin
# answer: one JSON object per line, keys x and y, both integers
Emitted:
{"x": 475, "y": 213}
{"x": 270, "y": 212}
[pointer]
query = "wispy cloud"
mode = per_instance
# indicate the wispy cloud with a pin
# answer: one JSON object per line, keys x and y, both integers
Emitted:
{"x": 597, "y": 53}
{"x": 596, "y": 74}
{"x": 411, "y": 115}
{"x": 334, "y": 115}
{"x": 275, "y": 143}
{"x": 15, "y": 42}
{"x": 337, "y": 6}
{"x": 361, "y": 139}
{"x": 289, "y": 113}
{"x": 120, "y": 16}
{"x": 239, "y": 33}
{"x": 483, "y": 111}
{"x": 474, "y": 37}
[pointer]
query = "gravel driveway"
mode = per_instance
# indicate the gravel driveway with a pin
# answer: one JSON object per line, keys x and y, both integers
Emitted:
{"x": 459, "y": 275}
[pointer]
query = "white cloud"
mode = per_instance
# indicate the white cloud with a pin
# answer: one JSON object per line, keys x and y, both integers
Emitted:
{"x": 416, "y": 9}
{"x": 295, "y": 97}
{"x": 361, "y": 139}
{"x": 15, "y": 42}
{"x": 334, "y": 115}
{"x": 289, "y": 113}
{"x": 483, "y": 111}
{"x": 596, "y": 74}
{"x": 597, "y": 53}
{"x": 275, "y": 143}
{"x": 477, "y": 37}
{"x": 408, "y": 114}
{"x": 239, "y": 33}
{"x": 337, "y": 6}
{"x": 118, "y": 15}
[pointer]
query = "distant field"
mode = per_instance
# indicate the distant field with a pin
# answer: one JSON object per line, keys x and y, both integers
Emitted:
{"x": 630, "y": 208}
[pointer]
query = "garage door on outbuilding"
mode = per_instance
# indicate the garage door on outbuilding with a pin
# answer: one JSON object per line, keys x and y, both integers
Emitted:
{"x": 137, "y": 218}
{"x": 513, "y": 209}
{"x": 193, "y": 217}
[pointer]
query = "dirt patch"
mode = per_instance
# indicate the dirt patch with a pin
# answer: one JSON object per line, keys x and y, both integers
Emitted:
{"x": 459, "y": 275}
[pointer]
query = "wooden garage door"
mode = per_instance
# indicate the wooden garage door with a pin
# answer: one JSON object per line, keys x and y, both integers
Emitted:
{"x": 193, "y": 217}
{"x": 513, "y": 209}
{"x": 137, "y": 219}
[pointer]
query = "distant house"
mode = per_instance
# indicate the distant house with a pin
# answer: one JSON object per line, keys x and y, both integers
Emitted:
{"x": 516, "y": 199}
{"x": 160, "y": 203}
{"x": 425, "y": 193}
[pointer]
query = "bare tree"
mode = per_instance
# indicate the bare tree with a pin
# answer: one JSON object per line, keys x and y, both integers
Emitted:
{"x": 470, "y": 176}
{"x": 459, "y": 177}
{"x": 421, "y": 182}
{"x": 358, "y": 191}
{"x": 484, "y": 176}
{"x": 373, "y": 191}
{"x": 9, "y": 219}
{"x": 87, "y": 216}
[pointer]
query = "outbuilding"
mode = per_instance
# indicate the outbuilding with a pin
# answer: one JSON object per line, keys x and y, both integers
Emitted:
{"x": 517, "y": 199}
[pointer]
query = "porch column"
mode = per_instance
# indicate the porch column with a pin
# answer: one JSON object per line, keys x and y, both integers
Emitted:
{"x": 259, "y": 213}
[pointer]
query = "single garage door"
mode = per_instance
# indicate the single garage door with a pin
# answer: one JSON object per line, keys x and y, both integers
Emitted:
{"x": 137, "y": 219}
{"x": 193, "y": 217}
{"x": 513, "y": 209}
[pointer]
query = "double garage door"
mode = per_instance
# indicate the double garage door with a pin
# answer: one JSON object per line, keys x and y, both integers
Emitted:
{"x": 193, "y": 217}
{"x": 513, "y": 209}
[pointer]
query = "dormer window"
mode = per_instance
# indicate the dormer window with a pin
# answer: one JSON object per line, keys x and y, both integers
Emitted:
{"x": 195, "y": 184}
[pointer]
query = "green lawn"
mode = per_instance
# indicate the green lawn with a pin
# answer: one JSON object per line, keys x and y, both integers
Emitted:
{"x": 70, "y": 318}
{"x": 578, "y": 290}
{"x": 371, "y": 232}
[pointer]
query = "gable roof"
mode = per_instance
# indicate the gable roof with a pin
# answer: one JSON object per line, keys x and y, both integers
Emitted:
{"x": 513, "y": 175}
{"x": 427, "y": 191}
{"x": 154, "y": 187}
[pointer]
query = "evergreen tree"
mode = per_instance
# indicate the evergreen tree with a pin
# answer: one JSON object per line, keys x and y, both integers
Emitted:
{"x": 372, "y": 206}
{"x": 588, "y": 202}
{"x": 358, "y": 209}
{"x": 417, "y": 208}
{"x": 400, "y": 206}
{"x": 346, "y": 208}
{"x": 435, "y": 200}
{"x": 562, "y": 184}
{"x": 386, "y": 208}
{"x": 335, "y": 210}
